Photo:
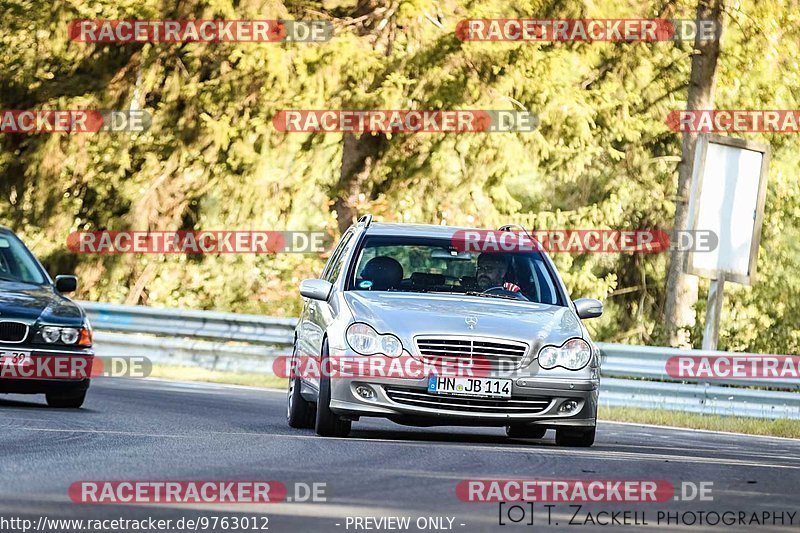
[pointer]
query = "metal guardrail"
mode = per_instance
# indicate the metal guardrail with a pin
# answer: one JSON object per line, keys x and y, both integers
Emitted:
{"x": 650, "y": 362}
{"x": 633, "y": 376}
{"x": 254, "y": 329}
{"x": 699, "y": 398}
{"x": 224, "y": 356}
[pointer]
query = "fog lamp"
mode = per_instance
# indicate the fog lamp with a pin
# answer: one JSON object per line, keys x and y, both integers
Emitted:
{"x": 568, "y": 406}
{"x": 365, "y": 392}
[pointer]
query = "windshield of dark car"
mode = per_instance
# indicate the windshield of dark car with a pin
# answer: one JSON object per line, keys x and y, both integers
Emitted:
{"x": 422, "y": 265}
{"x": 16, "y": 263}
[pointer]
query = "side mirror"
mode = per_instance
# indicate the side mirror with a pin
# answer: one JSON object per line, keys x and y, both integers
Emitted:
{"x": 588, "y": 307}
{"x": 66, "y": 283}
{"x": 316, "y": 289}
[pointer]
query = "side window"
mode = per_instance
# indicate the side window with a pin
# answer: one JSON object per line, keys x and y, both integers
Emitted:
{"x": 337, "y": 266}
{"x": 334, "y": 266}
{"x": 546, "y": 286}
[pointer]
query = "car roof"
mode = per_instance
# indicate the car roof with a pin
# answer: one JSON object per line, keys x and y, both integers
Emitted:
{"x": 416, "y": 230}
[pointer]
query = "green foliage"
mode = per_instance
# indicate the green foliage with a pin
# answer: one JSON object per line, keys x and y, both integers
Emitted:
{"x": 601, "y": 157}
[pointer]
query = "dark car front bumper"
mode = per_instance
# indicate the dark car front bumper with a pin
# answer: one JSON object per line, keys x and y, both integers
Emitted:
{"x": 14, "y": 381}
{"x": 43, "y": 386}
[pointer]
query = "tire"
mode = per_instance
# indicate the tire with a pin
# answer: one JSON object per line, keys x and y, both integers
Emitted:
{"x": 525, "y": 432}
{"x": 299, "y": 412}
{"x": 72, "y": 400}
{"x": 327, "y": 423}
{"x": 575, "y": 438}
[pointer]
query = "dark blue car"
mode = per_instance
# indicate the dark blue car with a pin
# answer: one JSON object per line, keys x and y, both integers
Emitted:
{"x": 45, "y": 338}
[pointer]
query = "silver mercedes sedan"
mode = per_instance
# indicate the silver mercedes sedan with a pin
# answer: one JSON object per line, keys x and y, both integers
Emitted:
{"x": 419, "y": 325}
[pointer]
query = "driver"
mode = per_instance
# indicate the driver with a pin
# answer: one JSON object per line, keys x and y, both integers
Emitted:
{"x": 491, "y": 272}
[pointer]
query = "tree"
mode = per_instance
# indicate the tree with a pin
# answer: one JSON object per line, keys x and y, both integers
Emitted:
{"x": 682, "y": 288}
{"x": 601, "y": 157}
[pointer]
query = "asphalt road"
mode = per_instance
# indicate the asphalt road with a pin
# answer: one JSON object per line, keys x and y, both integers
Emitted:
{"x": 157, "y": 430}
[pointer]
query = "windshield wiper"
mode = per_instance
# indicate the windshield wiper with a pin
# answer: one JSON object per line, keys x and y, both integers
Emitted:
{"x": 406, "y": 290}
{"x": 485, "y": 295}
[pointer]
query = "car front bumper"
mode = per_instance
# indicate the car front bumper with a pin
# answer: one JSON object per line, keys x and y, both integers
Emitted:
{"x": 42, "y": 379}
{"x": 43, "y": 386}
{"x": 534, "y": 402}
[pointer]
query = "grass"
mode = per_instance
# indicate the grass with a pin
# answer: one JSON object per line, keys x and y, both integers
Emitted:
{"x": 752, "y": 426}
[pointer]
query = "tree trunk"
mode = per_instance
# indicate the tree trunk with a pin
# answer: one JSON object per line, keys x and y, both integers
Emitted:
{"x": 358, "y": 156}
{"x": 681, "y": 287}
{"x": 360, "y": 153}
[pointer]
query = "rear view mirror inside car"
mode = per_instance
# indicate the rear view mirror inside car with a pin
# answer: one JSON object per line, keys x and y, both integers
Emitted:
{"x": 451, "y": 254}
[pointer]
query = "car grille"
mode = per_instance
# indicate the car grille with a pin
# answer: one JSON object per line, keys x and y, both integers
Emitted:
{"x": 484, "y": 354}
{"x": 13, "y": 331}
{"x": 420, "y": 398}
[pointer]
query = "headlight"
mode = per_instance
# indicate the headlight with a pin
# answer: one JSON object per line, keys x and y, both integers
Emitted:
{"x": 572, "y": 355}
{"x": 69, "y": 335}
{"x": 51, "y": 334}
{"x": 365, "y": 340}
{"x": 73, "y": 336}
{"x": 391, "y": 346}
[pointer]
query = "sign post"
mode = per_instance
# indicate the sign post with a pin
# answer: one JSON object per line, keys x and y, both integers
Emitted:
{"x": 713, "y": 312}
{"x": 729, "y": 185}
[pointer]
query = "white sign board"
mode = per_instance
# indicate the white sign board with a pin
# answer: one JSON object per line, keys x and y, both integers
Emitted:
{"x": 728, "y": 190}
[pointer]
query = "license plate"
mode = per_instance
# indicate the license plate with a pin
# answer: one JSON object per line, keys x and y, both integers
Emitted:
{"x": 14, "y": 358}
{"x": 486, "y": 387}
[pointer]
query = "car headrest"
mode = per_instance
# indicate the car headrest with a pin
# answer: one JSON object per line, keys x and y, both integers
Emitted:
{"x": 426, "y": 279}
{"x": 384, "y": 273}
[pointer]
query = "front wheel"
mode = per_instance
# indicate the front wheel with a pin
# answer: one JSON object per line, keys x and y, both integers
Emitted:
{"x": 299, "y": 413}
{"x": 327, "y": 423}
{"x": 575, "y": 438}
{"x": 71, "y": 400}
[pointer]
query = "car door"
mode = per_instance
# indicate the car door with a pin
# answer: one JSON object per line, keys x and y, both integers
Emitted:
{"x": 316, "y": 314}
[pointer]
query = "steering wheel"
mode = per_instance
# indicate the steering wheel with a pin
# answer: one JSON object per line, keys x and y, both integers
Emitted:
{"x": 502, "y": 291}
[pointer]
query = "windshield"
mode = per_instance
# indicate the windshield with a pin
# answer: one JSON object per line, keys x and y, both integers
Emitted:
{"x": 16, "y": 263}
{"x": 411, "y": 264}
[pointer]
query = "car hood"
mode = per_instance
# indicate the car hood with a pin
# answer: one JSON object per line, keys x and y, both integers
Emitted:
{"x": 409, "y": 315}
{"x": 30, "y": 303}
